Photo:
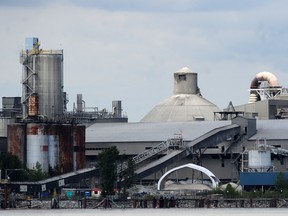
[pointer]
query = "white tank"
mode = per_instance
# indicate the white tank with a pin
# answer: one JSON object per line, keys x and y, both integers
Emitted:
{"x": 259, "y": 160}
{"x": 53, "y": 151}
{"x": 37, "y": 146}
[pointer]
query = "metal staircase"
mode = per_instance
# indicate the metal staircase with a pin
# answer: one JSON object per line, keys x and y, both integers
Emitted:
{"x": 170, "y": 144}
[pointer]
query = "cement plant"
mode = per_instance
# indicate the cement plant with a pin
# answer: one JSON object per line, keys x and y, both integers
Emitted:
{"x": 185, "y": 143}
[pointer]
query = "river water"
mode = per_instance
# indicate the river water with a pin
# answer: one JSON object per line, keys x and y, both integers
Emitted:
{"x": 149, "y": 212}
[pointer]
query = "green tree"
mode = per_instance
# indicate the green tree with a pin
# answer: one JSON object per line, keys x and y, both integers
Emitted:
{"x": 10, "y": 162}
{"x": 107, "y": 166}
{"x": 281, "y": 182}
{"x": 37, "y": 174}
{"x": 230, "y": 192}
{"x": 127, "y": 177}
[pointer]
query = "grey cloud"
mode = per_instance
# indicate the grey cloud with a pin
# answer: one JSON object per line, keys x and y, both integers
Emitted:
{"x": 24, "y": 3}
{"x": 171, "y": 5}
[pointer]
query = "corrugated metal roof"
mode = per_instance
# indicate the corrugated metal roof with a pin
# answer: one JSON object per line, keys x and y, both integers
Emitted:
{"x": 180, "y": 108}
{"x": 142, "y": 132}
{"x": 271, "y": 130}
{"x": 161, "y": 131}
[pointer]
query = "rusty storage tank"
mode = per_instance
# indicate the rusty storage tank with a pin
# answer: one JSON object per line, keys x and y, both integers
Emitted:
{"x": 16, "y": 138}
{"x": 65, "y": 148}
{"x": 42, "y": 79}
{"x": 79, "y": 147}
{"x": 71, "y": 148}
{"x": 57, "y": 146}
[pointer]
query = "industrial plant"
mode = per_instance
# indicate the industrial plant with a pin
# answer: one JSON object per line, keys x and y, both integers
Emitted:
{"x": 185, "y": 134}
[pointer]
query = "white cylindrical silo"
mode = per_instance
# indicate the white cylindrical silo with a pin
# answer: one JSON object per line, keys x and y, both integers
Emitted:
{"x": 185, "y": 82}
{"x": 49, "y": 85}
{"x": 53, "y": 150}
{"x": 43, "y": 78}
{"x": 37, "y": 146}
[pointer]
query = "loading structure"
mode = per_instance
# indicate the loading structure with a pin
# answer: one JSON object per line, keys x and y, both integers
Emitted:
{"x": 195, "y": 147}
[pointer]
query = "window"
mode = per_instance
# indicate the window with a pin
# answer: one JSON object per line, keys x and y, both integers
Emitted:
{"x": 182, "y": 77}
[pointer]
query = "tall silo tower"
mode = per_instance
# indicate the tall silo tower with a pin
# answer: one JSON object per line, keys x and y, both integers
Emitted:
{"x": 42, "y": 81}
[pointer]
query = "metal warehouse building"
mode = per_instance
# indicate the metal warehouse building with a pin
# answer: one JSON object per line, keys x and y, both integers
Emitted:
{"x": 243, "y": 143}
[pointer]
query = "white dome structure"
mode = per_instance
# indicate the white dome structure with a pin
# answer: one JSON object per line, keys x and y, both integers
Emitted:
{"x": 187, "y": 103}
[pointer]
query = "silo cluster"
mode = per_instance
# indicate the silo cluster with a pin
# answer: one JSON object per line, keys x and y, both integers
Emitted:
{"x": 43, "y": 136}
{"x": 58, "y": 147}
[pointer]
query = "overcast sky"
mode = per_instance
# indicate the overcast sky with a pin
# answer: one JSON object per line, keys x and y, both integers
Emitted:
{"x": 129, "y": 49}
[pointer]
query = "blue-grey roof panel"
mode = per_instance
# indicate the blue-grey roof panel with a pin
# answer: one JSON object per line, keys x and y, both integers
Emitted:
{"x": 141, "y": 132}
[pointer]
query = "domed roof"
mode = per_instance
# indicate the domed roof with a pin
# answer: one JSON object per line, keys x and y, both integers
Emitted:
{"x": 182, "y": 108}
{"x": 184, "y": 70}
{"x": 186, "y": 104}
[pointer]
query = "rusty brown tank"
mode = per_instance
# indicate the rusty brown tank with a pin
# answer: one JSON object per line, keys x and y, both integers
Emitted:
{"x": 16, "y": 134}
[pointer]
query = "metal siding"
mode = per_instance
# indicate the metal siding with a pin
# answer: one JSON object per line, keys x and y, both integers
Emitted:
{"x": 49, "y": 86}
{"x": 4, "y": 122}
{"x": 259, "y": 178}
{"x": 271, "y": 129}
{"x": 259, "y": 159}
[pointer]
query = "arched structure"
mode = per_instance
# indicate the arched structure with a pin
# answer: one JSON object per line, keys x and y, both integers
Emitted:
{"x": 213, "y": 178}
{"x": 264, "y": 76}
